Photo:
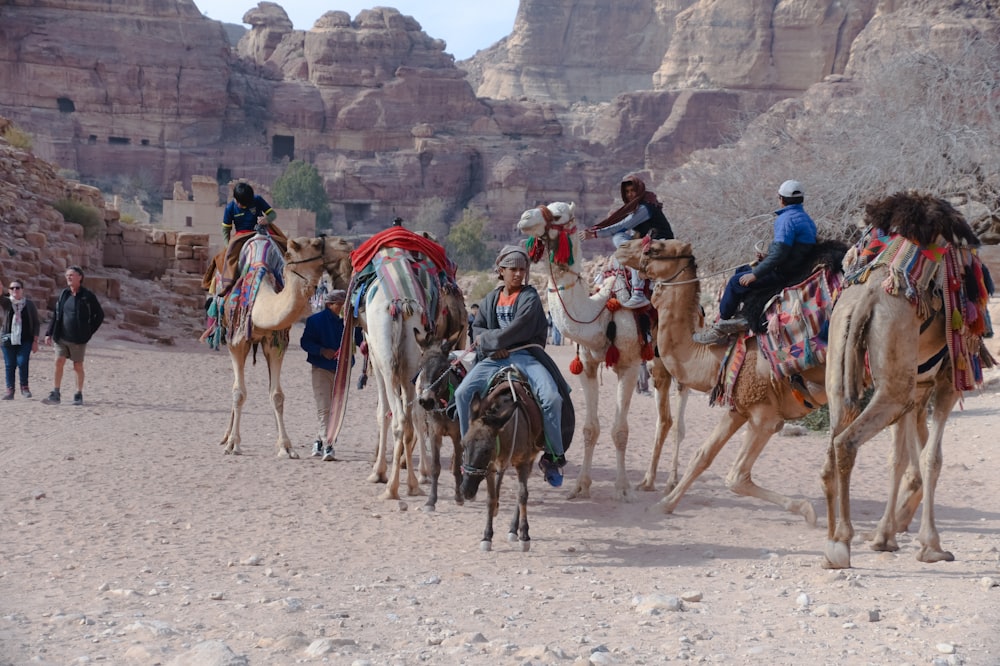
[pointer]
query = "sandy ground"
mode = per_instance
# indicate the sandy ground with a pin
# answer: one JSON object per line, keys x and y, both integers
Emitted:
{"x": 127, "y": 537}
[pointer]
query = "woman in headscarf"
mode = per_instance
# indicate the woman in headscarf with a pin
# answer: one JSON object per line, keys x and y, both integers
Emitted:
{"x": 18, "y": 336}
{"x": 641, "y": 214}
{"x": 510, "y": 329}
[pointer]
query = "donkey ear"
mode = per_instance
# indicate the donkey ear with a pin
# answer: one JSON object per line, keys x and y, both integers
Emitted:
{"x": 474, "y": 407}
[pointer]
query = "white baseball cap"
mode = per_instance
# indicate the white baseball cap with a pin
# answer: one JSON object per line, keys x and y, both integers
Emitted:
{"x": 791, "y": 188}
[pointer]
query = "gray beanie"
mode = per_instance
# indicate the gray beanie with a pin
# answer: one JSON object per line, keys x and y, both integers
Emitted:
{"x": 512, "y": 256}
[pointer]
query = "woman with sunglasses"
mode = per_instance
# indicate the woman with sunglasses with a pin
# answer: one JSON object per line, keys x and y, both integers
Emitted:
{"x": 19, "y": 336}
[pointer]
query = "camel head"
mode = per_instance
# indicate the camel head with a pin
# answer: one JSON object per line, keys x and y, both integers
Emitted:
{"x": 658, "y": 259}
{"x": 337, "y": 261}
{"x": 553, "y": 225}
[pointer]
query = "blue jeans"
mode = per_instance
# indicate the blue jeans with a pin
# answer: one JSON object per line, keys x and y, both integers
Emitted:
{"x": 732, "y": 297}
{"x": 542, "y": 385}
{"x": 16, "y": 357}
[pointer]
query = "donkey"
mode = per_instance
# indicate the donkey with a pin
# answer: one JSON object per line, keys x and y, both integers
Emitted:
{"x": 437, "y": 380}
{"x": 505, "y": 431}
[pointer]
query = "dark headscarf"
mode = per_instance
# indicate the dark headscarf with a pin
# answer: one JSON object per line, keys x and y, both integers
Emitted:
{"x": 630, "y": 206}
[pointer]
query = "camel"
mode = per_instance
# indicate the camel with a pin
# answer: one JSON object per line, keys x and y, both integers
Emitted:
{"x": 271, "y": 317}
{"x": 396, "y": 330}
{"x": 760, "y": 400}
{"x": 584, "y": 319}
{"x": 908, "y": 352}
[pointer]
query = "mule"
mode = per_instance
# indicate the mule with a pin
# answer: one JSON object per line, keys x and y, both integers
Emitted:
{"x": 505, "y": 430}
{"x": 437, "y": 380}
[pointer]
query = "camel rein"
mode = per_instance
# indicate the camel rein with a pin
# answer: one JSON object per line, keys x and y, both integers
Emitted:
{"x": 670, "y": 280}
{"x": 320, "y": 256}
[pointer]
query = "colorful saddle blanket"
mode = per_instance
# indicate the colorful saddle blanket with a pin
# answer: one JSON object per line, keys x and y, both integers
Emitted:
{"x": 798, "y": 321}
{"x": 957, "y": 275}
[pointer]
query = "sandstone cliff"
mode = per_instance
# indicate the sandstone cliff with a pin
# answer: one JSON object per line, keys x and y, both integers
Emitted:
{"x": 578, "y": 95}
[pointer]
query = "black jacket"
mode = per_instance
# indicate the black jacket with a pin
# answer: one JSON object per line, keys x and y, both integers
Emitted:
{"x": 76, "y": 318}
{"x": 30, "y": 324}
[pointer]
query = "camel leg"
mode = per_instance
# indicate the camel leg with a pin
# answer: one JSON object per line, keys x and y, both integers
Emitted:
{"x": 274, "y": 356}
{"x": 591, "y": 427}
{"x": 911, "y": 490}
{"x": 724, "y": 430}
{"x": 379, "y": 468}
{"x": 945, "y": 397}
{"x": 627, "y": 379}
{"x": 661, "y": 388}
{"x": 883, "y": 409}
{"x": 238, "y": 356}
{"x": 739, "y": 480}
{"x": 903, "y": 433}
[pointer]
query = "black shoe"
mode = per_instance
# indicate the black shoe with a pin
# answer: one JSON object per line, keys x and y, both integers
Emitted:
{"x": 9, "y": 395}
{"x": 78, "y": 398}
{"x": 53, "y": 399}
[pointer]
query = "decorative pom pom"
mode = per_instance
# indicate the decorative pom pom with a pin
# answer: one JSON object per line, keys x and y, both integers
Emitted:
{"x": 647, "y": 351}
{"x": 613, "y": 305}
{"x": 612, "y": 356}
{"x": 562, "y": 253}
{"x": 576, "y": 365}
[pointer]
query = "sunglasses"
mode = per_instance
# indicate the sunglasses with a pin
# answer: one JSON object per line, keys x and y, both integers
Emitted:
{"x": 13, "y": 287}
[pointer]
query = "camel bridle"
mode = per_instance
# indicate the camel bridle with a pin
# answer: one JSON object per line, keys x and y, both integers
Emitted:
{"x": 307, "y": 260}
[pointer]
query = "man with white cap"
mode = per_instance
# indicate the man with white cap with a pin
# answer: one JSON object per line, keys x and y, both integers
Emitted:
{"x": 794, "y": 236}
{"x": 510, "y": 329}
{"x": 321, "y": 341}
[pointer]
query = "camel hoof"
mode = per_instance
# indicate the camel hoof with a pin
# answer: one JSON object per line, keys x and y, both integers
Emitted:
{"x": 838, "y": 555}
{"x": 805, "y": 509}
{"x": 375, "y": 477}
{"x": 625, "y": 495}
{"x": 415, "y": 491}
{"x": 884, "y": 545}
{"x": 389, "y": 495}
{"x": 666, "y": 506}
{"x": 646, "y": 485}
{"x": 579, "y": 492}
{"x": 525, "y": 546}
{"x": 930, "y": 555}
{"x": 288, "y": 453}
{"x": 485, "y": 546}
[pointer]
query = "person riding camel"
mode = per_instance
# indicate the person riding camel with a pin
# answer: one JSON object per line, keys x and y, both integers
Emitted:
{"x": 794, "y": 236}
{"x": 641, "y": 215}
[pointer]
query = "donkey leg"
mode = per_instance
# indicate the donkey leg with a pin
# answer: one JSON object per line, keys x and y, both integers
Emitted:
{"x": 519, "y": 525}
{"x": 492, "y": 506}
{"x": 433, "y": 440}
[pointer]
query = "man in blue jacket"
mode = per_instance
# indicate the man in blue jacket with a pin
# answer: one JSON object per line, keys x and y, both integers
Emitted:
{"x": 321, "y": 341}
{"x": 794, "y": 237}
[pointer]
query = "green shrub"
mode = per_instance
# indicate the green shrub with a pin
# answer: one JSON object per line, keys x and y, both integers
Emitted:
{"x": 86, "y": 216}
{"x": 18, "y": 138}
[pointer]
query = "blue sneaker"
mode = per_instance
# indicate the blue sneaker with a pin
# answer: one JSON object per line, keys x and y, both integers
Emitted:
{"x": 553, "y": 475}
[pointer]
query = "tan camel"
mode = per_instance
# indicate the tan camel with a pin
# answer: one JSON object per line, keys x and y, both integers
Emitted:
{"x": 760, "y": 401}
{"x": 584, "y": 319}
{"x": 908, "y": 355}
{"x": 271, "y": 316}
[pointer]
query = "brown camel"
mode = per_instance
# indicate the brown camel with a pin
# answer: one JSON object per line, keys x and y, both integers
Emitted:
{"x": 909, "y": 360}
{"x": 760, "y": 400}
{"x": 271, "y": 317}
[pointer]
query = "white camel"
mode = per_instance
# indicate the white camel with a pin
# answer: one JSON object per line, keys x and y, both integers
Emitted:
{"x": 396, "y": 329}
{"x": 584, "y": 318}
{"x": 271, "y": 316}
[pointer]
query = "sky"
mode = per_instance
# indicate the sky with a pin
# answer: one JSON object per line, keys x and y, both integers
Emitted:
{"x": 465, "y": 26}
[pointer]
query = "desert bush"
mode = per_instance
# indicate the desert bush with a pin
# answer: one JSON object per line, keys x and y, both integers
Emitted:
{"x": 18, "y": 138}
{"x": 301, "y": 186}
{"x": 466, "y": 242}
{"x": 86, "y": 216}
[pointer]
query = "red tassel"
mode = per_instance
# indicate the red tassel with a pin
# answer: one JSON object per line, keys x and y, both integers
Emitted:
{"x": 647, "y": 351}
{"x": 612, "y": 356}
{"x": 562, "y": 255}
{"x": 576, "y": 365}
{"x": 536, "y": 248}
{"x": 613, "y": 305}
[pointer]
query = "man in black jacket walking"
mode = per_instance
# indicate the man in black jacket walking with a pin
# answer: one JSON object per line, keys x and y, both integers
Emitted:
{"x": 77, "y": 317}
